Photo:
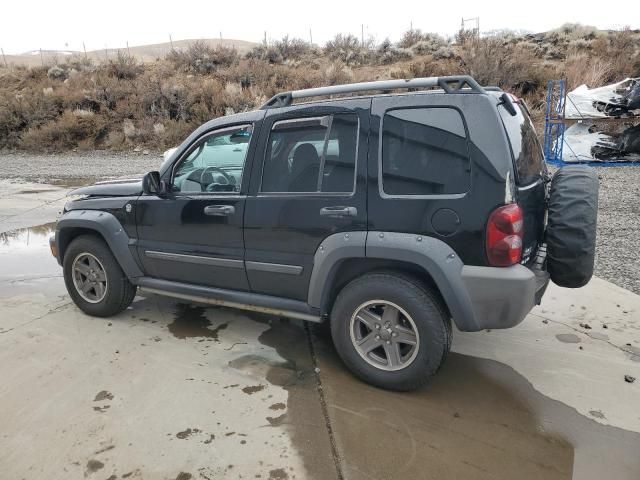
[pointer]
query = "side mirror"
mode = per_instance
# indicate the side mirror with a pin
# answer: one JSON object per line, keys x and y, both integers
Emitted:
{"x": 152, "y": 185}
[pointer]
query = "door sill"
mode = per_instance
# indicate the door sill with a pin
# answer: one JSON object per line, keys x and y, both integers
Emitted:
{"x": 230, "y": 298}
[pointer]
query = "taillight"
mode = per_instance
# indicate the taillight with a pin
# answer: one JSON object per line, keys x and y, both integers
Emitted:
{"x": 504, "y": 236}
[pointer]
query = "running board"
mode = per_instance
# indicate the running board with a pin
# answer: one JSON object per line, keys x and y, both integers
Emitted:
{"x": 230, "y": 298}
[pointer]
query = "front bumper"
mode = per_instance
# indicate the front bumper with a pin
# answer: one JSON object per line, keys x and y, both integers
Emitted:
{"x": 502, "y": 297}
{"x": 53, "y": 245}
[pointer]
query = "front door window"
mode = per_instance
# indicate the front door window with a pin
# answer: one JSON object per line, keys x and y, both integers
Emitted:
{"x": 215, "y": 163}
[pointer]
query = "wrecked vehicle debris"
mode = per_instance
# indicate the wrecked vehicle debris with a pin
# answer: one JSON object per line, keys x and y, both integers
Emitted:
{"x": 587, "y": 142}
{"x": 615, "y": 100}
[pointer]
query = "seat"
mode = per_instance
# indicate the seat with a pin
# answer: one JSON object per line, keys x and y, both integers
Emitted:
{"x": 305, "y": 167}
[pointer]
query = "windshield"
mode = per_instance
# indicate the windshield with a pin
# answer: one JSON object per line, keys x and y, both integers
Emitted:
{"x": 526, "y": 149}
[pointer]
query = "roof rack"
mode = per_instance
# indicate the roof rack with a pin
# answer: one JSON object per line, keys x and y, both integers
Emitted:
{"x": 451, "y": 84}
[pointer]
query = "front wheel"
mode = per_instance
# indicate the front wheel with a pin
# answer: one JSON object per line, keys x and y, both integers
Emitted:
{"x": 94, "y": 279}
{"x": 390, "y": 330}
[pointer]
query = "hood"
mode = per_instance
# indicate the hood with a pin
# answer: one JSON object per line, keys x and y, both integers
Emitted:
{"x": 111, "y": 188}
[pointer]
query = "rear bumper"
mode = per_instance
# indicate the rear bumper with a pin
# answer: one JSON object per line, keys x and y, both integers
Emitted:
{"x": 502, "y": 297}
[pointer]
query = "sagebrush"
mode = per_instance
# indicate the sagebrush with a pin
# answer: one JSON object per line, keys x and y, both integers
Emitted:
{"x": 123, "y": 103}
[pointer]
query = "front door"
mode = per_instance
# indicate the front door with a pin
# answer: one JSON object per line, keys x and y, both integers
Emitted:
{"x": 308, "y": 183}
{"x": 194, "y": 233}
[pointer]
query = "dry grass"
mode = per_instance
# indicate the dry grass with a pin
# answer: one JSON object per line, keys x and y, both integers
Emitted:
{"x": 122, "y": 103}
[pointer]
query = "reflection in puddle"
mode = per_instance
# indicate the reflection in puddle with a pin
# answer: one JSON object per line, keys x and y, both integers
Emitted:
{"x": 26, "y": 259}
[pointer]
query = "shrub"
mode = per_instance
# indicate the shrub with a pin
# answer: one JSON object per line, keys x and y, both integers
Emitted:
{"x": 345, "y": 48}
{"x": 279, "y": 51}
{"x": 581, "y": 69}
{"x": 57, "y": 73}
{"x": 445, "y": 51}
{"x": 411, "y": 37}
{"x": 65, "y": 132}
{"x": 492, "y": 62}
{"x": 422, "y": 43}
{"x": 124, "y": 67}
{"x": 201, "y": 58}
{"x": 387, "y": 53}
{"x": 269, "y": 54}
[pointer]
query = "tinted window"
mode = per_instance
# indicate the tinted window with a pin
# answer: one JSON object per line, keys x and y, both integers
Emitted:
{"x": 424, "y": 152}
{"x": 215, "y": 164}
{"x": 529, "y": 159}
{"x": 311, "y": 155}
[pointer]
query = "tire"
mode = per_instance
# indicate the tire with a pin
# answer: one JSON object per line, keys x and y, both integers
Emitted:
{"x": 117, "y": 293}
{"x": 419, "y": 309}
{"x": 571, "y": 228}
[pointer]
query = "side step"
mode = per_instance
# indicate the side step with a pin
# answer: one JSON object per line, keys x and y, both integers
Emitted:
{"x": 230, "y": 298}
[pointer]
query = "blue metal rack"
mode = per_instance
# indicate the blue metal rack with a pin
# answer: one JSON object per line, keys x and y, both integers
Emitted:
{"x": 554, "y": 125}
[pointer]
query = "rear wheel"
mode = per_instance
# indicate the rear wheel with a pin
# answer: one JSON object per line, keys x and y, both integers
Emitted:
{"x": 94, "y": 279}
{"x": 390, "y": 330}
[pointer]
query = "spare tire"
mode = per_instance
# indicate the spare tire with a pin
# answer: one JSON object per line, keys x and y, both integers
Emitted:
{"x": 571, "y": 227}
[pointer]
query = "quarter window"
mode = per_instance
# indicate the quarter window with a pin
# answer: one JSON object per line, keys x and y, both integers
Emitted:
{"x": 215, "y": 164}
{"x": 312, "y": 155}
{"x": 529, "y": 159}
{"x": 424, "y": 152}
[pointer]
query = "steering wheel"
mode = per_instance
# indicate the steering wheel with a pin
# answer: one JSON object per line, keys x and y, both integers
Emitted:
{"x": 230, "y": 180}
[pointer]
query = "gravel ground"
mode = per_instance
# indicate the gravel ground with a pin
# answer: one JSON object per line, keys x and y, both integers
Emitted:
{"x": 77, "y": 168}
{"x": 618, "y": 242}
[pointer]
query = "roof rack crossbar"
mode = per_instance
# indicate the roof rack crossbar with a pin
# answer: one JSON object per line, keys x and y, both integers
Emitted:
{"x": 452, "y": 84}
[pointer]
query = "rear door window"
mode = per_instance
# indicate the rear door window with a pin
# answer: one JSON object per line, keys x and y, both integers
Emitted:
{"x": 310, "y": 155}
{"x": 526, "y": 149}
{"x": 424, "y": 152}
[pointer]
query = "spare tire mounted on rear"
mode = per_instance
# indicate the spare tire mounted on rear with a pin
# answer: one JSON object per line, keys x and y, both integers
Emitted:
{"x": 571, "y": 229}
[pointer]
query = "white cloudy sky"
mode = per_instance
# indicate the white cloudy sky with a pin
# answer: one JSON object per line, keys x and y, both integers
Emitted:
{"x": 51, "y": 24}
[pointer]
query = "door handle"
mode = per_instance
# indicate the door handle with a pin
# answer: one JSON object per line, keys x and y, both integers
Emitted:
{"x": 338, "y": 212}
{"x": 219, "y": 210}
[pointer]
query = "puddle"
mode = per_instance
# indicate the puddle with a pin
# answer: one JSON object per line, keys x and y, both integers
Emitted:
{"x": 302, "y": 416}
{"x": 191, "y": 322}
{"x": 35, "y": 191}
{"x": 74, "y": 182}
{"x": 477, "y": 419}
{"x": 568, "y": 338}
{"x": 27, "y": 261}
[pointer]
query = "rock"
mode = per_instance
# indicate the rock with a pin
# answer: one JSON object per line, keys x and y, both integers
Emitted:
{"x": 629, "y": 379}
{"x": 145, "y": 152}
{"x": 586, "y": 326}
{"x": 137, "y": 149}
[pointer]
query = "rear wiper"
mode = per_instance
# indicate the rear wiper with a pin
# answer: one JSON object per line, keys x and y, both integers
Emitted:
{"x": 505, "y": 100}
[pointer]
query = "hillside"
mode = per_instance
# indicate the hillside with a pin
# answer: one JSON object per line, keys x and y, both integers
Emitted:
{"x": 143, "y": 53}
{"x": 151, "y": 99}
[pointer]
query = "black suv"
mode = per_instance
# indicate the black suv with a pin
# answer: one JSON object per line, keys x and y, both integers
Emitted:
{"x": 388, "y": 215}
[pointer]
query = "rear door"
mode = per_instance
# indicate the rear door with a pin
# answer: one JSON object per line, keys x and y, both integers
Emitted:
{"x": 308, "y": 182}
{"x": 529, "y": 166}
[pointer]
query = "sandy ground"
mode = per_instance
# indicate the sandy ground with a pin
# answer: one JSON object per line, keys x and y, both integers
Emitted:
{"x": 171, "y": 391}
